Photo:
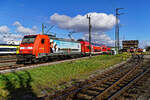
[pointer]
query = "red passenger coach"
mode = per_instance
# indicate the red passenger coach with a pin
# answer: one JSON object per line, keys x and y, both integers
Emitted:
{"x": 97, "y": 48}
{"x": 105, "y": 49}
{"x": 85, "y": 46}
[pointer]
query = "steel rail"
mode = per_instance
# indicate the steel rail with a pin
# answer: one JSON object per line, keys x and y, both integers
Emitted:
{"x": 128, "y": 85}
{"x": 105, "y": 93}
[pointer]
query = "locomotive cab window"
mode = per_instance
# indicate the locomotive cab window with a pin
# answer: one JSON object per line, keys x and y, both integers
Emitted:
{"x": 42, "y": 41}
{"x": 28, "y": 39}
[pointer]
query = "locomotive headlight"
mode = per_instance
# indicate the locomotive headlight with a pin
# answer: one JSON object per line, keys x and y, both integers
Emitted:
{"x": 30, "y": 48}
{"x": 21, "y": 47}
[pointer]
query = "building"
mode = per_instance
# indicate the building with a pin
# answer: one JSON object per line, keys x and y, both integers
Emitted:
{"x": 13, "y": 42}
{"x": 130, "y": 44}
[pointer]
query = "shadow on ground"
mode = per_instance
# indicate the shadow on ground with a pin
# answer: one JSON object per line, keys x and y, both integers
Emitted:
{"x": 18, "y": 86}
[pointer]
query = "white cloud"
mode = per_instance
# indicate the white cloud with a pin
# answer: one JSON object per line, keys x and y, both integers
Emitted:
{"x": 144, "y": 43}
{"x": 101, "y": 23}
{"x": 16, "y": 23}
{"x": 100, "y": 38}
{"x": 24, "y": 30}
{"x": 4, "y": 29}
{"x": 10, "y": 37}
{"x": 7, "y": 37}
{"x": 79, "y": 23}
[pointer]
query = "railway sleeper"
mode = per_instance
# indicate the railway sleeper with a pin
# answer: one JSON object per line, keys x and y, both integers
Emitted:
{"x": 103, "y": 85}
{"x": 109, "y": 82}
{"x": 101, "y": 88}
{"x": 124, "y": 82}
{"x": 127, "y": 97}
{"x": 133, "y": 91}
{"x": 120, "y": 85}
{"x": 96, "y": 80}
{"x": 133, "y": 96}
{"x": 106, "y": 75}
{"x": 101, "y": 78}
{"x": 90, "y": 92}
{"x": 111, "y": 92}
{"x": 96, "y": 89}
{"x": 112, "y": 81}
{"x": 104, "y": 97}
{"x": 117, "y": 87}
{"x": 116, "y": 78}
{"x": 81, "y": 96}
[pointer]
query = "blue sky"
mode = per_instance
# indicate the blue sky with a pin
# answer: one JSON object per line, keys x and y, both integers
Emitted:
{"x": 134, "y": 23}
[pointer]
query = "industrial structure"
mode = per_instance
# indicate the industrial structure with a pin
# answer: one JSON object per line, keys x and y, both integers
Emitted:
{"x": 130, "y": 44}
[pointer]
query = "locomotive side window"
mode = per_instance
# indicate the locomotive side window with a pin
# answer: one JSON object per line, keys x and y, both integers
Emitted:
{"x": 7, "y": 49}
{"x": 42, "y": 41}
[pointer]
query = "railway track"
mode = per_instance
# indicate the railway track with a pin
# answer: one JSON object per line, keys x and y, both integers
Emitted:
{"x": 140, "y": 87}
{"x": 7, "y": 65}
{"x": 134, "y": 93}
{"x": 107, "y": 86}
{"x": 8, "y": 62}
{"x": 12, "y": 66}
{"x": 8, "y": 58}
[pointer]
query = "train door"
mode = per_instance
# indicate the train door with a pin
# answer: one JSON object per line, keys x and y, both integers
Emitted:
{"x": 42, "y": 46}
{"x": 45, "y": 45}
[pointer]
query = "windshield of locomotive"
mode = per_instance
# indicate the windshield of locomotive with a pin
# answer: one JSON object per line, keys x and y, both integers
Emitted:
{"x": 28, "y": 39}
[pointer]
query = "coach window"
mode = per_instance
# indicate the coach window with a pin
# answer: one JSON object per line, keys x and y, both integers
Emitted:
{"x": 42, "y": 41}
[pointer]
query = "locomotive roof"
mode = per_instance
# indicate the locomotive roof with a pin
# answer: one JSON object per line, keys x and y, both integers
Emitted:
{"x": 31, "y": 36}
{"x": 53, "y": 37}
{"x": 8, "y": 45}
{"x": 63, "y": 39}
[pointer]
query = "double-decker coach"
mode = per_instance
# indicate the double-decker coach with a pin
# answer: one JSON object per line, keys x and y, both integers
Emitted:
{"x": 6, "y": 49}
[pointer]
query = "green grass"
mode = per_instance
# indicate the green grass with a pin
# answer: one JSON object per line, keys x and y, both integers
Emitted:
{"x": 46, "y": 78}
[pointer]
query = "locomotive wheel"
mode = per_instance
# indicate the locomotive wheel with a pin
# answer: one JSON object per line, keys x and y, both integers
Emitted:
{"x": 45, "y": 59}
{"x": 35, "y": 61}
{"x": 18, "y": 62}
